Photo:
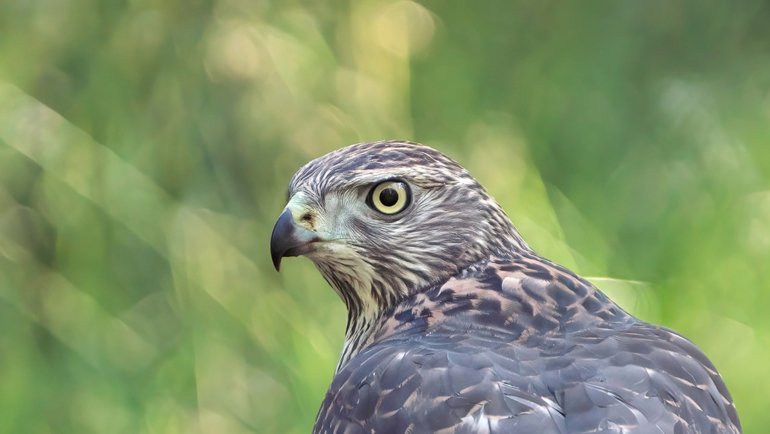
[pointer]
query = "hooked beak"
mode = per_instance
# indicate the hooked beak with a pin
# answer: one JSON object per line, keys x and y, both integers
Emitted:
{"x": 290, "y": 239}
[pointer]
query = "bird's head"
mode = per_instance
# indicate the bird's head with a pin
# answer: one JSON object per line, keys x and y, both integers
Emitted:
{"x": 386, "y": 219}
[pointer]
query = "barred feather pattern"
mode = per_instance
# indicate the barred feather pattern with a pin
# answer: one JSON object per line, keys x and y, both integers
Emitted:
{"x": 456, "y": 326}
{"x": 382, "y": 260}
{"x": 520, "y": 345}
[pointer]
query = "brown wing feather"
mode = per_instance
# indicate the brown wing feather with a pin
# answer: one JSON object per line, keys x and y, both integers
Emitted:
{"x": 524, "y": 346}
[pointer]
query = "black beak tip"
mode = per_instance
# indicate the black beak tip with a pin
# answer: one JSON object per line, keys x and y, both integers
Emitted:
{"x": 280, "y": 239}
{"x": 277, "y": 262}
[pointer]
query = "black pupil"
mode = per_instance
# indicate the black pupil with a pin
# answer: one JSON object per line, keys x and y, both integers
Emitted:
{"x": 389, "y": 196}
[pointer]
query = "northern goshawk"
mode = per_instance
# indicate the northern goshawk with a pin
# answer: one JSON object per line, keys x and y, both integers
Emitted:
{"x": 455, "y": 325}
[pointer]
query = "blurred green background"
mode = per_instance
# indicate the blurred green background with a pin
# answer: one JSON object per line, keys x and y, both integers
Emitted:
{"x": 146, "y": 146}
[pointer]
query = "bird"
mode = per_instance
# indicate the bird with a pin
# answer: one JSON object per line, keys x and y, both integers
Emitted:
{"x": 456, "y": 325}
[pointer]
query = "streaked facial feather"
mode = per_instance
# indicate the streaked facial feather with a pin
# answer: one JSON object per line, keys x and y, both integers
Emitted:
{"x": 376, "y": 259}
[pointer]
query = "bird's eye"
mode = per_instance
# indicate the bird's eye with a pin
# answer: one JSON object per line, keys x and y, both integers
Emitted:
{"x": 389, "y": 197}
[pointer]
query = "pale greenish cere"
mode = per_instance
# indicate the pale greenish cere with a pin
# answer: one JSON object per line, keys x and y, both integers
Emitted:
{"x": 146, "y": 147}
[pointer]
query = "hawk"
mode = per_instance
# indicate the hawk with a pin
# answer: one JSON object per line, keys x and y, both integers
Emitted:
{"x": 455, "y": 325}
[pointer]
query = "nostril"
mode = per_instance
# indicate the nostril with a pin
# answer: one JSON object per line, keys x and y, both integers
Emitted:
{"x": 306, "y": 218}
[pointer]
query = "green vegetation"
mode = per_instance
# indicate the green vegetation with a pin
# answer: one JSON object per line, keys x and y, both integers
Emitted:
{"x": 146, "y": 146}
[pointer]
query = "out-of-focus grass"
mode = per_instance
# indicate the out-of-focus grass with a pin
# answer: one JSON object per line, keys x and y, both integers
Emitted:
{"x": 145, "y": 148}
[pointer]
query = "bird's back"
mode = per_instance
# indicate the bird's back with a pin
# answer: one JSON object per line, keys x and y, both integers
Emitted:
{"x": 522, "y": 345}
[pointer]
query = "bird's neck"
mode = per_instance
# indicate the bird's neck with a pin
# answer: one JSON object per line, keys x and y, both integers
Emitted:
{"x": 358, "y": 334}
{"x": 357, "y": 285}
{"x": 366, "y": 309}
{"x": 371, "y": 290}
{"x": 367, "y": 317}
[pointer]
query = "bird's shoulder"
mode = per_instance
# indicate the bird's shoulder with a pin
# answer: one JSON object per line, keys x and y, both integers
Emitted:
{"x": 523, "y": 296}
{"x": 524, "y": 347}
{"x": 638, "y": 380}
{"x": 413, "y": 388}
